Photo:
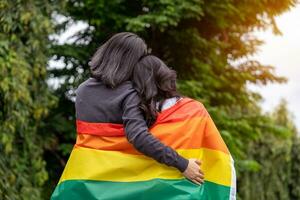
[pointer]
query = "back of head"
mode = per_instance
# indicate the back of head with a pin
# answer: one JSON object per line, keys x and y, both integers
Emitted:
{"x": 155, "y": 82}
{"x": 114, "y": 61}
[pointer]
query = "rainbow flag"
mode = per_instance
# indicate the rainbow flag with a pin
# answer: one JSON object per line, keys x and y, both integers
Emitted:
{"x": 104, "y": 165}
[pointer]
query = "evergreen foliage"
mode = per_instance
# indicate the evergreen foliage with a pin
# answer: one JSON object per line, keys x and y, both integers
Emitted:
{"x": 209, "y": 43}
{"x": 24, "y": 96}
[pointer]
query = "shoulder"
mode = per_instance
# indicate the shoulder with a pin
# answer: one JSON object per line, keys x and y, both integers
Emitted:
{"x": 128, "y": 90}
{"x": 129, "y": 94}
{"x": 84, "y": 85}
{"x": 189, "y": 106}
{"x": 127, "y": 86}
{"x": 93, "y": 85}
{"x": 186, "y": 108}
{"x": 193, "y": 103}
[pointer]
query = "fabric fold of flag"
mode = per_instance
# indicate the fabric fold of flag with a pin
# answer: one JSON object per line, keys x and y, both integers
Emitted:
{"x": 104, "y": 165}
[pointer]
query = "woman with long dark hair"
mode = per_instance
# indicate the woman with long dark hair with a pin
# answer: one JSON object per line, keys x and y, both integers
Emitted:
{"x": 107, "y": 108}
{"x": 185, "y": 125}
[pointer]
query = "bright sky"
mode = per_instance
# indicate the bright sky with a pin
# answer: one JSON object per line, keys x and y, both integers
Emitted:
{"x": 283, "y": 52}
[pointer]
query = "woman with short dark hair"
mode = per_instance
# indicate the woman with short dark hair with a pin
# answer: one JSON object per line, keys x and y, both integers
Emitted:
{"x": 107, "y": 106}
{"x": 114, "y": 61}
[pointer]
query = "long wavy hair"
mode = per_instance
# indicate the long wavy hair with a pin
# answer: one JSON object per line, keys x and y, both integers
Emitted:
{"x": 155, "y": 83}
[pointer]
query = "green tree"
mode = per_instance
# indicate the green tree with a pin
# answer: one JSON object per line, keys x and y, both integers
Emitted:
{"x": 209, "y": 44}
{"x": 24, "y": 96}
{"x": 284, "y": 119}
{"x": 273, "y": 151}
{"x": 295, "y": 169}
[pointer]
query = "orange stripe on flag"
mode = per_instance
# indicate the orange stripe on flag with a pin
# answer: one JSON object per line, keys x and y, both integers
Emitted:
{"x": 186, "y": 125}
{"x": 175, "y": 135}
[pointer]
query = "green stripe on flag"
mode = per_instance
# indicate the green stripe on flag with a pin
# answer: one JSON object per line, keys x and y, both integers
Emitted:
{"x": 156, "y": 189}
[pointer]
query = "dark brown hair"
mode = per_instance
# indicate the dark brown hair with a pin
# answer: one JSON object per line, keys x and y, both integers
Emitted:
{"x": 114, "y": 61}
{"x": 155, "y": 83}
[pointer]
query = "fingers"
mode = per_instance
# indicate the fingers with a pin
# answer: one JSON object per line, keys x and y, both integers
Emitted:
{"x": 198, "y": 162}
{"x": 196, "y": 182}
{"x": 199, "y": 180}
{"x": 193, "y": 172}
{"x": 201, "y": 172}
{"x": 201, "y": 176}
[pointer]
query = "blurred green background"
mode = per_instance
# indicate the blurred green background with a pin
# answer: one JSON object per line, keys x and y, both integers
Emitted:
{"x": 208, "y": 42}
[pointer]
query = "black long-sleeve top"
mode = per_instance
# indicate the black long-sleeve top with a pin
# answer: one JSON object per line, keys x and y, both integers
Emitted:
{"x": 97, "y": 103}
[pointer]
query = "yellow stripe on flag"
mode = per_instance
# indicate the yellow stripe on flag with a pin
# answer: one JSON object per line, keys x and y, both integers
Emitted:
{"x": 92, "y": 164}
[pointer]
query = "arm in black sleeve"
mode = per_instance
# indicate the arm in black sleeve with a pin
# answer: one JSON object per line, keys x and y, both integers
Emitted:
{"x": 137, "y": 134}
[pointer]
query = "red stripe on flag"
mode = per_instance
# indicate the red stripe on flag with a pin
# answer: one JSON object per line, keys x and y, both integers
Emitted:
{"x": 100, "y": 129}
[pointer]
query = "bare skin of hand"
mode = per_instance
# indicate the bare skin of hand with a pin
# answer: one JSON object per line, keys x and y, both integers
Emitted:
{"x": 193, "y": 172}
